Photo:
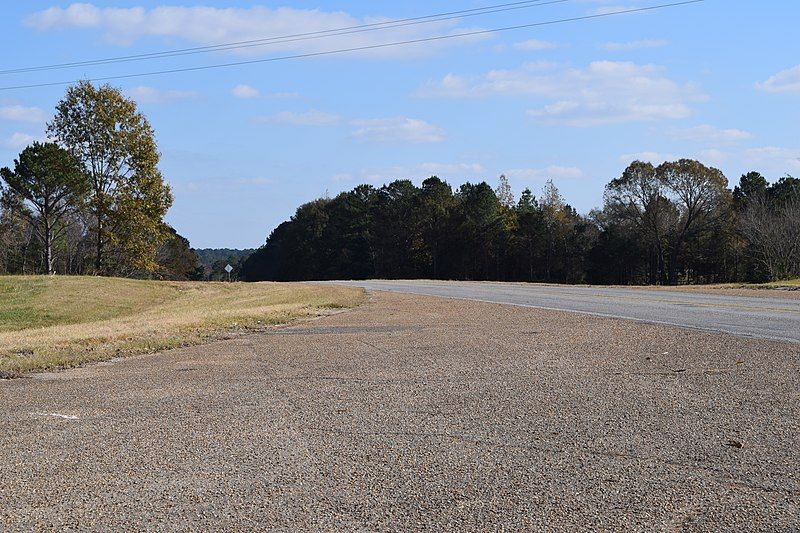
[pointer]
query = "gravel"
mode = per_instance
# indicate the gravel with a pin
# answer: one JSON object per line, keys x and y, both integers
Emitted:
{"x": 415, "y": 412}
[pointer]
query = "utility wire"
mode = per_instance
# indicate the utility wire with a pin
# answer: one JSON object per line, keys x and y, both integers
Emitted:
{"x": 360, "y": 48}
{"x": 349, "y": 30}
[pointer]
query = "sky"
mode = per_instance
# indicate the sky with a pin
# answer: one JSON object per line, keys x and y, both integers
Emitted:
{"x": 243, "y": 146}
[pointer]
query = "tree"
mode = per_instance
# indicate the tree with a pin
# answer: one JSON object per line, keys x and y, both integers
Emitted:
{"x": 774, "y": 232}
{"x": 784, "y": 190}
{"x": 638, "y": 196}
{"x": 530, "y": 234}
{"x": 176, "y": 259}
{"x": 478, "y": 224}
{"x": 16, "y": 233}
{"x": 51, "y": 183}
{"x": 394, "y": 232}
{"x": 697, "y": 193}
{"x": 116, "y": 147}
{"x": 504, "y": 193}
{"x": 669, "y": 204}
{"x": 752, "y": 186}
{"x": 434, "y": 207}
{"x": 555, "y": 220}
{"x": 348, "y": 236}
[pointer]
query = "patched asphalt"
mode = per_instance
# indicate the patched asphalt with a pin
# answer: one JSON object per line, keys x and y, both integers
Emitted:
{"x": 415, "y": 412}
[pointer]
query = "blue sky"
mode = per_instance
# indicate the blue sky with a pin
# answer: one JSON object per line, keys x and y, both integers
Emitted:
{"x": 244, "y": 146}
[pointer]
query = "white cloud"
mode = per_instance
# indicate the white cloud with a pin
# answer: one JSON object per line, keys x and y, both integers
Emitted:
{"x": 713, "y": 156}
{"x": 18, "y": 141}
{"x": 786, "y": 81}
{"x": 342, "y": 177}
{"x": 398, "y": 129}
{"x": 770, "y": 160}
{"x": 773, "y": 158}
{"x": 534, "y": 45}
{"x": 210, "y": 26}
{"x": 456, "y": 173}
{"x": 18, "y": 113}
{"x": 245, "y": 91}
{"x": 710, "y": 135}
{"x": 655, "y": 158}
{"x": 634, "y": 45}
{"x": 308, "y": 118}
{"x": 604, "y": 92}
{"x": 447, "y": 171}
{"x": 151, "y": 95}
{"x": 555, "y": 172}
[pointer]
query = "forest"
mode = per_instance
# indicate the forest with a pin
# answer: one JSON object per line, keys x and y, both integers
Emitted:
{"x": 676, "y": 223}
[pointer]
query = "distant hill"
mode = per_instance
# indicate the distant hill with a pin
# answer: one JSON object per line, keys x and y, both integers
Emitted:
{"x": 214, "y": 260}
{"x": 208, "y": 256}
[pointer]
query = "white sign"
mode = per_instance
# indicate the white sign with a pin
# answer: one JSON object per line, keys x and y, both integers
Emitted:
{"x": 228, "y": 269}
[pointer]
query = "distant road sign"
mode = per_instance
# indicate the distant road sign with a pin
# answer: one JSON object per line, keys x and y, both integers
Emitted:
{"x": 228, "y": 269}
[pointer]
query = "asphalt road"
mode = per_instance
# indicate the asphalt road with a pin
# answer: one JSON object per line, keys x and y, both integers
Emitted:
{"x": 414, "y": 413}
{"x": 773, "y": 318}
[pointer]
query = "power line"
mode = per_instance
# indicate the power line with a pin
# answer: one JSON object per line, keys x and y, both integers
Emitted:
{"x": 334, "y": 32}
{"x": 360, "y": 48}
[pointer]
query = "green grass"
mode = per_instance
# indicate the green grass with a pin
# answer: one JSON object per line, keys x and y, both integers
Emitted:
{"x": 39, "y": 301}
{"x": 60, "y": 322}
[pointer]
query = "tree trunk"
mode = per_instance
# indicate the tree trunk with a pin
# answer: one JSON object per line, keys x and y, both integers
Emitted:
{"x": 98, "y": 262}
{"x": 48, "y": 246}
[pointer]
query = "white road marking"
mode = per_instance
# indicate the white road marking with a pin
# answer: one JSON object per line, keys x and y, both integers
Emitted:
{"x": 57, "y": 415}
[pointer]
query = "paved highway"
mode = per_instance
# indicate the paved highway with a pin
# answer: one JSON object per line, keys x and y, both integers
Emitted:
{"x": 415, "y": 413}
{"x": 748, "y": 316}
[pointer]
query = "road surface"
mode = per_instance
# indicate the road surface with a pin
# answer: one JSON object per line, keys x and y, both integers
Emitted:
{"x": 415, "y": 413}
{"x": 773, "y": 318}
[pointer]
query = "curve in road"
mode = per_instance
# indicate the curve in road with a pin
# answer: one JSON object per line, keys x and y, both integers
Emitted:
{"x": 770, "y": 318}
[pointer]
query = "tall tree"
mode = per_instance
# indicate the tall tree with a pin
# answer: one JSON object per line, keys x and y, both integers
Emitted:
{"x": 16, "y": 233}
{"x": 774, "y": 233}
{"x": 697, "y": 192}
{"x": 554, "y": 216}
{"x": 435, "y": 204}
{"x": 394, "y": 232}
{"x": 784, "y": 190}
{"x": 51, "y": 182}
{"x": 505, "y": 195}
{"x": 638, "y": 196}
{"x": 752, "y": 186}
{"x": 116, "y": 146}
{"x": 530, "y": 234}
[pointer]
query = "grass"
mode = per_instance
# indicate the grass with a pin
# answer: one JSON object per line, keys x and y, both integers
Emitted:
{"x": 62, "y": 322}
{"x": 792, "y": 284}
{"x": 788, "y": 283}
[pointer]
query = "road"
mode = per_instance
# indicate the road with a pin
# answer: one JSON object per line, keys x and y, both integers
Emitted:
{"x": 773, "y": 318}
{"x": 413, "y": 413}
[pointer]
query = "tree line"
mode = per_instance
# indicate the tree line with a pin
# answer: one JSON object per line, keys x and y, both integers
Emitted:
{"x": 91, "y": 200}
{"x": 677, "y": 222}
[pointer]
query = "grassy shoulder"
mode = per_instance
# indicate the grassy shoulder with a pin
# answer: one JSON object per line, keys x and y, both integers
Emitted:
{"x": 61, "y": 322}
{"x": 792, "y": 283}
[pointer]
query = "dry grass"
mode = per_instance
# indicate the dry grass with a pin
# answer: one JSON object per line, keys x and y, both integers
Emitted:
{"x": 788, "y": 283}
{"x": 62, "y": 322}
